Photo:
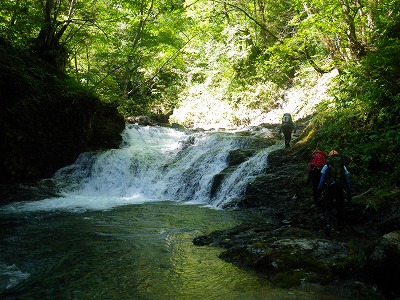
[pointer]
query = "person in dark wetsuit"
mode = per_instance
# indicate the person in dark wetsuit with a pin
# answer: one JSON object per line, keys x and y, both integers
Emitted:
{"x": 334, "y": 179}
{"x": 287, "y": 127}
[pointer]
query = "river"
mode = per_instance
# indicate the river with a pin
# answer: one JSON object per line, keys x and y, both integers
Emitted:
{"x": 119, "y": 224}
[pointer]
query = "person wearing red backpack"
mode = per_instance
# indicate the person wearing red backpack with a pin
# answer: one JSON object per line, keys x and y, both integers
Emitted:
{"x": 334, "y": 181}
{"x": 318, "y": 161}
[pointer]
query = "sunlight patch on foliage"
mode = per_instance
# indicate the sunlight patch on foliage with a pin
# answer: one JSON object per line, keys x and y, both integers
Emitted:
{"x": 214, "y": 104}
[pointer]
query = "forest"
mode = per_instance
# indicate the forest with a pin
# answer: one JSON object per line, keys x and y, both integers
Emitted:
{"x": 83, "y": 193}
{"x": 178, "y": 59}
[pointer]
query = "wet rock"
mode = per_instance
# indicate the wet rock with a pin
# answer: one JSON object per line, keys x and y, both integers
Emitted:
{"x": 384, "y": 261}
{"x": 281, "y": 182}
{"x": 286, "y": 241}
{"x": 140, "y": 120}
{"x": 239, "y": 156}
{"x": 387, "y": 251}
{"x": 177, "y": 126}
{"x": 317, "y": 256}
{"x": 202, "y": 240}
{"x": 355, "y": 289}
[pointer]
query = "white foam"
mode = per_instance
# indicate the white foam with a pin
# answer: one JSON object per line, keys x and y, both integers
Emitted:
{"x": 12, "y": 275}
{"x": 73, "y": 203}
{"x": 153, "y": 164}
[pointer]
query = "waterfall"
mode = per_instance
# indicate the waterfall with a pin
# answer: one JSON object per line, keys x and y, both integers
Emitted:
{"x": 156, "y": 164}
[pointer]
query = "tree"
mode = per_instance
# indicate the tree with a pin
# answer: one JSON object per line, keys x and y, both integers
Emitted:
{"x": 147, "y": 54}
{"x": 135, "y": 62}
{"x": 346, "y": 28}
{"x": 57, "y": 16}
{"x": 108, "y": 46}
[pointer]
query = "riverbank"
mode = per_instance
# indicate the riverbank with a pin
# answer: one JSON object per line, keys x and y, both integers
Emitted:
{"x": 287, "y": 243}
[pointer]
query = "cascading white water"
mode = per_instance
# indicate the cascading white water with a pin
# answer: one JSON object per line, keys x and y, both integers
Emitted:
{"x": 155, "y": 164}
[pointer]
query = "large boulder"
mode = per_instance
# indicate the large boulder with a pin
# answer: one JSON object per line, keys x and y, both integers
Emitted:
{"x": 282, "y": 182}
{"x": 383, "y": 261}
{"x": 291, "y": 256}
{"x": 236, "y": 157}
{"x": 289, "y": 261}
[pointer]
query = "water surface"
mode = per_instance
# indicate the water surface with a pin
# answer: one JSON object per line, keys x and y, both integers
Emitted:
{"x": 142, "y": 251}
{"x": 119, "y": 224}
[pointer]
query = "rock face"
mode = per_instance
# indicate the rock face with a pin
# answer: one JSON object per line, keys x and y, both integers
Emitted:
{"x": 47, "y": 119}
{"x": 282, "y": 183}
{"x": 383, "y": 262}
{"x": 140, "y": 120}
{"x": 236, "y": 157}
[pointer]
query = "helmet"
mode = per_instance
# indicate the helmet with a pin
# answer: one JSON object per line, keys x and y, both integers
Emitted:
{"x": 333, "y": 152}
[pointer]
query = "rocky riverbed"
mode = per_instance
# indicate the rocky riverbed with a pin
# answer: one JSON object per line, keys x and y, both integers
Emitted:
{"x": 285, "y": 241}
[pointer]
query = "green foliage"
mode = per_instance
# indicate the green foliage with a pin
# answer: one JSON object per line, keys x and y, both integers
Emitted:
{"x": 119, "y": 49}
{"x": 222, "y": 60}
{"x": 156, "y": 97}
{"x": 155, "y": 55}
{"x": 380, "y": 198}
{"x": 372, "y": 204}
{"x": 363, "y": 120}
{"x": 280, "y": 64}
{"x": 18, "y": 21}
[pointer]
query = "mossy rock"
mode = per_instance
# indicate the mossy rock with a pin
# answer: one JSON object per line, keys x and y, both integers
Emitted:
{"x": 295, "y": 278}
{"x": 239, "y": 156}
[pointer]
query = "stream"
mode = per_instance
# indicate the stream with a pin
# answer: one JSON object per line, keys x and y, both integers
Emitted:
{"x": 119, "y": 224}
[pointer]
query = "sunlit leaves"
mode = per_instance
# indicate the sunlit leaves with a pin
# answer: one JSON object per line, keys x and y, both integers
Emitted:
{"x": 147, "y": 54}
{"x": 17, "y": 20}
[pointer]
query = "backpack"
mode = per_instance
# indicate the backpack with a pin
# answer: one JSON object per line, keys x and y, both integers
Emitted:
{"x": 318, "y": 160}
{"x": 287, "y": 124}
{"x": 287, "y": 118}
{"x": 335, "y": 172}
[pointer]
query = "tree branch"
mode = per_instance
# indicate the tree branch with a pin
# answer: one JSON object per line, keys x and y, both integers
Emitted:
{"x": 251, "y": 18}
{"x": 313, "y": 63}
{"x": 161, "y": 67}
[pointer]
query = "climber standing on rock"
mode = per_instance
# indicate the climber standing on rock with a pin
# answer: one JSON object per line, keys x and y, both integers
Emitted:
{"x": 334, "y": 180}
{"x": 287, "y": 127}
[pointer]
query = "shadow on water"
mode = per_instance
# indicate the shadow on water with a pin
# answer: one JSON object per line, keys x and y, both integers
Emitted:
{"x": 134, "y": 252}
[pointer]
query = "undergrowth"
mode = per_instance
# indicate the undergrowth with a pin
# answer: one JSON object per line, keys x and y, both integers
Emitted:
{"x": 362, "y": 122}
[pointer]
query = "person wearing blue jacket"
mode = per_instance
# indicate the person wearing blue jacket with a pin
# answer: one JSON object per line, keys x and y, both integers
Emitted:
{"x": 334, "y": 180}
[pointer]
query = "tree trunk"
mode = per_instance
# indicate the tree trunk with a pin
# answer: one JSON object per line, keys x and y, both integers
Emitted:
{"x": 357, "y": 49}
{"x": 47, "y": 44}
